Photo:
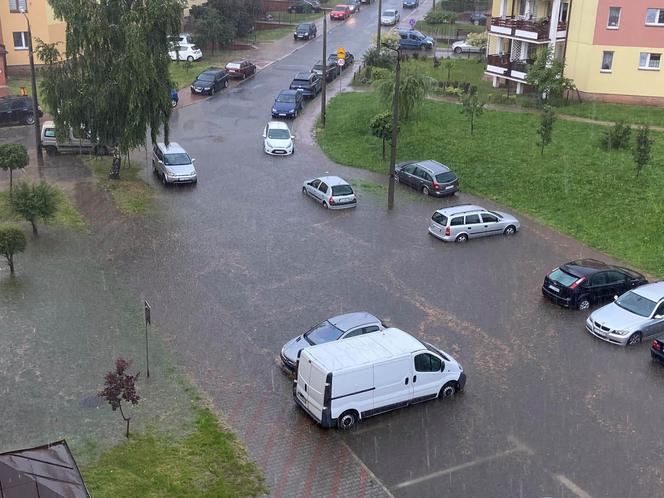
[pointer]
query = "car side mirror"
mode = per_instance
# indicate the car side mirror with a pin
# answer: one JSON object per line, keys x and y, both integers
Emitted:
{"x": 292, "y": 137}
{"x": 615, "y": 298}
{"x": 658, "y": 316}
{"x": 193, "y": 160}
{"x": 264, "y": 135}
{"x": 160, "y": 161}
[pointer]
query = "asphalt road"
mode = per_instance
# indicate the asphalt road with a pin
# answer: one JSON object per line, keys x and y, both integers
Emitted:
{"x": 240, "y": 263}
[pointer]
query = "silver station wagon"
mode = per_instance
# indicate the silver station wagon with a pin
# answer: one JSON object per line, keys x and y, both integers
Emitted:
{"x": 466, "y": 221}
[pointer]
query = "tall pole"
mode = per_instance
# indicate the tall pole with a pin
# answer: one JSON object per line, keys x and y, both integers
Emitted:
{"x": 395, "y": 125}
{"x": 323, "y": 92}
{"x": 35, "y": 104}
{"x": 380, "y": 13}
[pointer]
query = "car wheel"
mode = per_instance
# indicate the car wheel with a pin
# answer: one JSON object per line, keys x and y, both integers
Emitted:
{"x": 396, "y": 178}
{"x": 154, "y": 168}
{"x": 51, "y": 150}
{"x": 325, "y": 205}
{"x": 163, "y": 179}
{"x": 635, "y": 338}
{"x": 583, "y": 303}
{"x": 244, "y": 76}
{"x": 509, "y": 230}
{"x": 448, "y": 390}
{"x": 225, "y": 83}
{"x": 462, "y": 237}
{"x": 190, "y": 59}
{"x": 174, "y": 103}
{"x": 425, "y": 190}
{"x": 457, "y": 50}
{"x": 295, "y": 114}
{"x": 304, "y": 191}
{"x": 213, "y": 90}
{"x": 30, "y": 119}
{"x": 347, "y": 420}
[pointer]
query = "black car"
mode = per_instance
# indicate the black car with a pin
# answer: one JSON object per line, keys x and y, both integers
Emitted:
{"x": 310, "y": 83}
{"x": 331, "y": 70}
{"x": 17, "y": 110}
{"x": 478, "y": 18}
{"x": 349, "y": 58}
{"x": 429, "y": 177}
{"x": 210, "y": 81}
{"x": 657, "y": 350}
{"x": 580, "y": 283}
{"x": 304, "y": 7}
{"x": 305, "y": 31}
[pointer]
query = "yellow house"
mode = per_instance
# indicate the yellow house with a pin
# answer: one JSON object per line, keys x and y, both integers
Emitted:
{"x": 14, "y": 29}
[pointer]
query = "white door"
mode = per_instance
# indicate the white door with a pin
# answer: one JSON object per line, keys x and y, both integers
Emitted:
{"x": 393, "y": 382}
{"x": 427, "y": 376}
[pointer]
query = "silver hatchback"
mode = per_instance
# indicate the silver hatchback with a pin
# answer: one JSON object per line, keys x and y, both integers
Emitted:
{"x": 331, "y": 191}
{"x": 466, "y": 221}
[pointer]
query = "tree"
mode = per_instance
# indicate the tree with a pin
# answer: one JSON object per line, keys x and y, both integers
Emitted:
{"x": 472, "y": 107}
{"x": 13, "y": 156}
{"x": 478, "y": 39}
{"x": 239, "y": 13}
{"x": 381, "y": 127}
{"x": 212, "y": 28}
{"x": 546, "y": 74}
{"x": 12, "y": 241}
{"x": 35, "y": 201}
{"x": 119, "y": 387}
{"x": 642, "y": 149}
{"x": 545, "y": 129}
{"x": 616, "y": 137}
{"x": 448, "y": 65}
{"x": 112, "y": 80}
{"x": 413, "y": 89}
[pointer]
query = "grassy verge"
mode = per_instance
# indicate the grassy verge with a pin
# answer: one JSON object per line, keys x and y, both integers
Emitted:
{"x": 66, "y": 215}
{"x": 447, "y": 30}
{"x": 576, "y": 187}
{"x": 267, "y": 35}
{"x": 651, "y": 116}
{"x": 207, "y": 463}
{"x": 131, "y": 194}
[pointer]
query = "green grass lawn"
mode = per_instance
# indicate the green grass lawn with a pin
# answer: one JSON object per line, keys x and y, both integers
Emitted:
{"x": 576, "y": 187}
{"x": 642, "y": 115}
{"x": 205, "y": 463}
{"x": 131, "y": 194}
{"x": 66, "y": 215}
{"x": 447, "y": 30}
{"x": 267, "y": 35}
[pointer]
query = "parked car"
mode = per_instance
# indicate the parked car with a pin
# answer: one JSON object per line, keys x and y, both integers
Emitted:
{"x": 412, "y": 39}
{"x": 478, "y": 18}
{"x": 75, "y": 141}
{"x": 657, "y": 350}
{"x": 340, "y": 13}
{"x": 354, "y": 6}
{"x": 342, "y": 382}
{"x": 172, "y": 164}
{"x": 210, "y": 81}
{"x": 288, "y": 104}
{"x": 348, "y": 58}
{"x": 580, "y": 283}
{"x": 390, "y": 17}
{"x": 466, "y": 221}
{"x": 464, "y": 46}
{"x": 278, "y": 139}
{"x": 17, "y": 110}
{"x": 185, "y": 52}
{"x": 338, "y": 327}
{"x": 367, "y": 1}
{"x": 184, "y": 38}
{"x": 304, "y": 7}
{"x": 332, "y": 69}
{"x": 429, "y": 177}
{"x": 331, "y": 191}
{"x": 305, "y": 31}
{"x": 310, "y": 83}
{"x": 240, "y": 69}
{"x": 636, "y": 315}
{"x": 175, "y": 98}
{"x": 411, "y": 4}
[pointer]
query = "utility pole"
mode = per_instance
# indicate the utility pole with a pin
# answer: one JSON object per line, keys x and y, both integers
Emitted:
{"x": 380, "y": 12}
{"x": 323, "y": 92}
{"x": 395, "y": 126}
{"x": 35, "y": 104}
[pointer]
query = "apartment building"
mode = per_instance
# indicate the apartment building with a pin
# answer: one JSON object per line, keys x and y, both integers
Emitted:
{"x": 612, "y": 48}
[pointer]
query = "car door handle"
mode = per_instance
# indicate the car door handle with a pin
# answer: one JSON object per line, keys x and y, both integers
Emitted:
{"x": 486, "y": 226}
{"x": 414, "y": 378}
{"x": 406, "y": 382}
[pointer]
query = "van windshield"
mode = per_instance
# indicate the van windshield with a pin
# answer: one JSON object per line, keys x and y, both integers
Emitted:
{"x": 176, "y": 159}
{"x": 323, "y": 332}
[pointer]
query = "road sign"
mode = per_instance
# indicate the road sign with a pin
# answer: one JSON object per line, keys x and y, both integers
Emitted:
{"x": 147, "y": 308}
{"x": 341, "y": 53}
{"x": 341, "y": 62}
{"x": 412, "y": 23}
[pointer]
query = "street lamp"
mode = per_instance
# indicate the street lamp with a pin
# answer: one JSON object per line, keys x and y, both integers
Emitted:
{"x": 35, "y": 104}
{"x": 380, "y": 13}
{"x": 395, "y": 125}
{"x": 323, "y": 96}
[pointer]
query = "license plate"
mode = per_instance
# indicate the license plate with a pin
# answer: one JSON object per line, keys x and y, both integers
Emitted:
{"x": 554, "y": 288}
{"x": 281, "y": 114}
{"x": 449, "y": 187}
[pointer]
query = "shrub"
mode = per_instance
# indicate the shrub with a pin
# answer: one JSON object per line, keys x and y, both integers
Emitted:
{"x": 616, "y": 137}
{"x": 35, "y": 201}
{"x": 380, "y": 58}
{"x": 440, "y": 17}
{"x": 12, "y": 241}
{"x": 380, "y": 73}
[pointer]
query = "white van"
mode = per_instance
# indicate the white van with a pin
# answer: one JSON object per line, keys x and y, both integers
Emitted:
{"x": 76, "y": 141}
{"x": 341, "y": 382}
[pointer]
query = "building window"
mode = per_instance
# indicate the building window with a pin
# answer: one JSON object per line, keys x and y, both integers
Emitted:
{"x": 18, "y": 6}
{"x": 655, "y": 17}
{"x": 21, "y": 40}
{"x": 607, "y": 62}
{"x": 614, "y": 17}
{"x": 650, "y": 61}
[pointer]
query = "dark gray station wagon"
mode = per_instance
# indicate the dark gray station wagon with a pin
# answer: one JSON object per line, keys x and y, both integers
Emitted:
{"x": 429, "y": 177}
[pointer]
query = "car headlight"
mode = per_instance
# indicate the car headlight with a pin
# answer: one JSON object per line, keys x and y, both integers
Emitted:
{"x": 621, "y": 332}
{"x": 274, "y": 110}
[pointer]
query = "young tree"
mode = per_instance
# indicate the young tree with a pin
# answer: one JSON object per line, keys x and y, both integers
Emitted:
{"x": 448, "y": 65}
{"x": 547, "y": 75}
{"x": 381, "y": 127}
{"x": 545, "y": 129}
{"x": 212, "y": 29}
{"x": 642, "y": 149}
{"x": 472, "y": 107}
{"x": 35, "y": 201}
{"x": 113, "y": 78}
{"x": 12, "y": 241}
{"x": 119, "y": 386}
{"x": 13, "y": 156}
{"x": 413, "y": 89}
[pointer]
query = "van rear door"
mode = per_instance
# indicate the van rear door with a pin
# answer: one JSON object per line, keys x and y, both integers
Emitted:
{"x": 393, "y": 384}
{"x": 310, "y": 386}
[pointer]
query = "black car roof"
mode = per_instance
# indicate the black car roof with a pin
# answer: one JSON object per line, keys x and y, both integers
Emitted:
{"x": 305, "y": 25}
{"x": 303, "y": 76}
{"x": 212, "y": 70}
{"x": 585, "y": 267}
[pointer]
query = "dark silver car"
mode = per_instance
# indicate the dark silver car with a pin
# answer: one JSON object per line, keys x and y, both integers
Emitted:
{"x": 332, "y": 329}
{"x": 429, "y": 177}
{"x": 332, "y": 192}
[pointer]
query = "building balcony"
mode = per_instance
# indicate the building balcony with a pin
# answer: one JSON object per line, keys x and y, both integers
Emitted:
{"x": 501, "y": 65}
{"x": 528, "y": 30}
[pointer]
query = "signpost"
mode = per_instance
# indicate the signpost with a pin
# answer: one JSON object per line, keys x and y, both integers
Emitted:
{"x": 412, "y": 23}
{"x": 341, "y": 60}
{"x": 147, "y": 309}
{"x": 341, "y": 53}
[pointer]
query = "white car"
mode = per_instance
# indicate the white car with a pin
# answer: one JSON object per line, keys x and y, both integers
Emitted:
{"x": 278, "y": 139}
{"x": 390, "y": 17}
{"x": 464, "y": 46}
{"x": 185, "y": 52}
{"x": 331, "y": 191}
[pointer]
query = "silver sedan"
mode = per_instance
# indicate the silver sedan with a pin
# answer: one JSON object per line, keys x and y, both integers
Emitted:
{"x": 636, "y": 315}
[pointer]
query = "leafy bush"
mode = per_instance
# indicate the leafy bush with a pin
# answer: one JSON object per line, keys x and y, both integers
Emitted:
{"x": 380, "y": 73}
{"x": 440, "y": 17}
{"x": 616, "y": 137}
{"x": 501, "y": 98}
{"x": 380, "y": 58}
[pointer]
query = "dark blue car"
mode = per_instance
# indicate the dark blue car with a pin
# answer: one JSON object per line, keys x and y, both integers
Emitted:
{"x": 288, "y": 104}
{"x": 411, "y": 4}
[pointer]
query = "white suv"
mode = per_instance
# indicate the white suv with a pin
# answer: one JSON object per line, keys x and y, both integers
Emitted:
{"x": 172, "y": 164}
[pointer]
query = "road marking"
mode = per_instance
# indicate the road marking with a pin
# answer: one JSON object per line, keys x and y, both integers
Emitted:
{"x": 571, "y": 486}
{"x": 363, "y": 466}
{"x": 519, "y": 447}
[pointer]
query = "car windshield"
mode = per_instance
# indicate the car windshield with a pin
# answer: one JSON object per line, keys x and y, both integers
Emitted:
{"x": 388, "y": 13}
{"x": 284, "y": 97}
{"x": 639, "y": 305}
{"x": 439, "y": 218}
{"x": 445, "y": 177}
{"x": 562, "y": 278}
{"x": 278, "y": 134}
{"x": 177, "y": 159}
{"x": 342, "y": 190}
{"x": 206, "y": 77}
{"x": 233, "y": 65}
{"x": 301, "y": 81}
{"x": 323, "y": 332}
{"x": 304, "y": 28}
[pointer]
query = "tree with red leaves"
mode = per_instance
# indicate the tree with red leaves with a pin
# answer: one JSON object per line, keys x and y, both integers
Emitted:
{"x": 121, "y": 386}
